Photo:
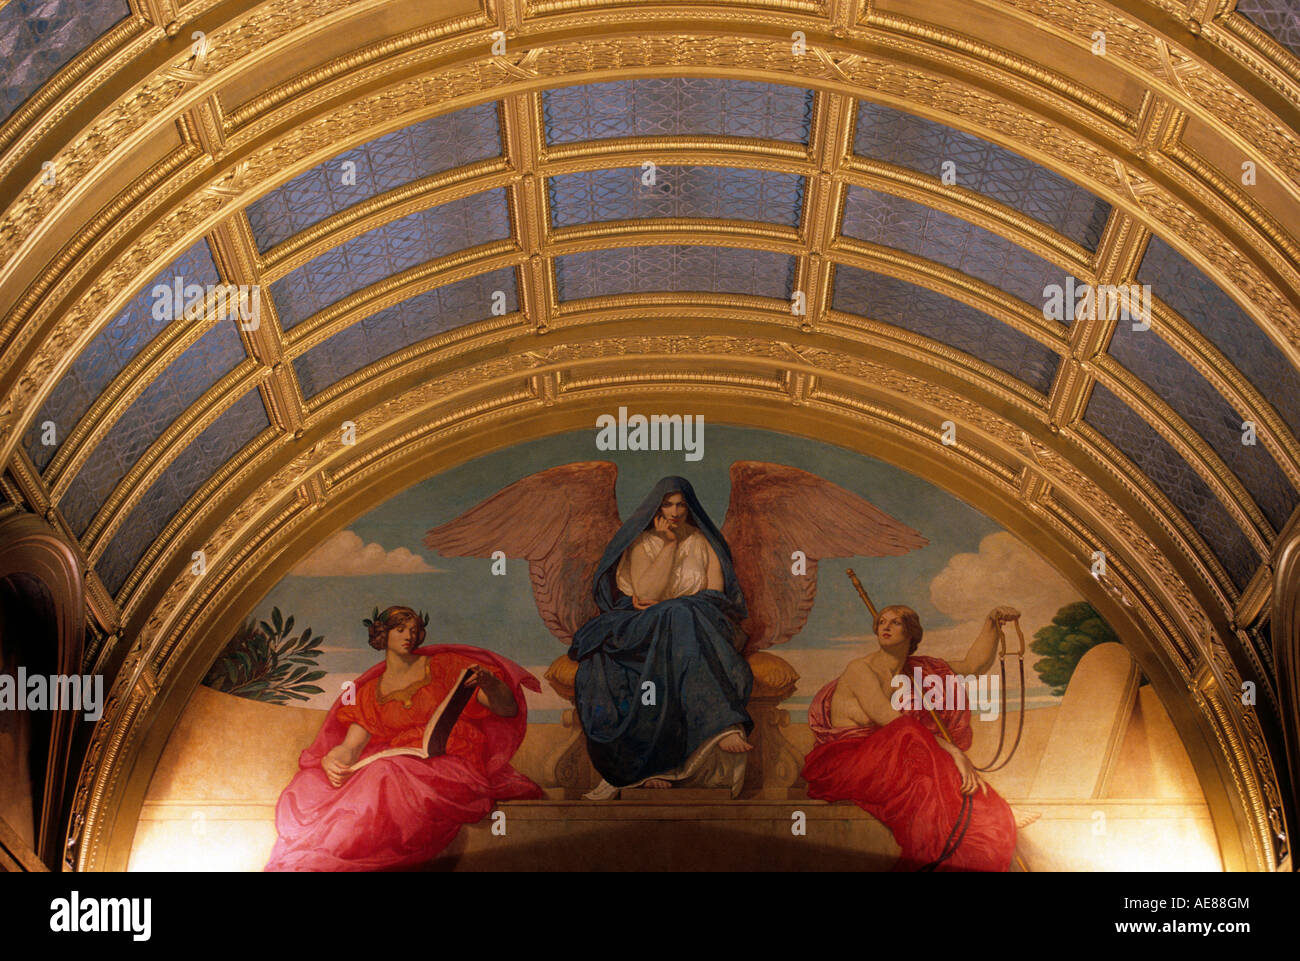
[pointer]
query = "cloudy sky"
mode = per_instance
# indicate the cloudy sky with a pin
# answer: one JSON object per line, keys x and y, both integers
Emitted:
{"x": 969, "y": 566}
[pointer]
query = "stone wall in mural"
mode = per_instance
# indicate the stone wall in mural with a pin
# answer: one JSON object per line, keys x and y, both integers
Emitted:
{"x": 773, "y": 653}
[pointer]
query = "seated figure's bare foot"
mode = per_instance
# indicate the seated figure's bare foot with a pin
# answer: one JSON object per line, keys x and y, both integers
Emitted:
{"x": 659, "y": 782}
{"x": 735, "y": 743}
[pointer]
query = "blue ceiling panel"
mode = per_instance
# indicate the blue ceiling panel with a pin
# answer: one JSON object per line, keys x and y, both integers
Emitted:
{"x": 393, "y": 160}
{"x": 725, "y": 193}
{"x": 1155, "y": 457}
{"x": 677, "y": 106}
{"x": 1278, "y": 18}
{"x": 948, "y": 321}
{"x": 894, "y": 222}
{"x": 398, "y": 327}
{"x": 1218, "y": 318}
{"x": 221, "y": 440}
{"x": 112, "y": 349}
{"x": 907, "y": 140}
{"x": 182, "y": 383}
{"x": 389, "y": 249}
{"x": 40, "y": 37}
{"x": 674, "y": 269}
{"x": 1196, "y": 401}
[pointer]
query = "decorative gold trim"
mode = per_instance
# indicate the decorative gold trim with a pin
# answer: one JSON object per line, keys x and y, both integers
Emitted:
{"x": 599, "y": 377}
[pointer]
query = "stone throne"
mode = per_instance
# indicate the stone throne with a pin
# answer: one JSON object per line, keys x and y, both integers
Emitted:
{"x": 771, "y": 769}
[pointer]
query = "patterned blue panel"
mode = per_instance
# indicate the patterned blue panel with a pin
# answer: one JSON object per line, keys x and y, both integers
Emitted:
{"x": 419, "y": 237}
{"x": 114, "y": 347}
{"x": 1278, "y": 18}
{"x": 1156, "y": 458}
{"x": 674, "y": 269}
{"x": 225, "y": 436}
{"x": 402, "y": 325}
{"x": 1196, "y": 401}
{"x": 39, "y": 37}
{"x": 946, "y": 320}
{"x": 399, "y": 158}
{"x": 718, "y": 192}
{"x": 206, "y": 361}
{"x": 894, "y": 222}
{"x": 676, "y": 106}
{"x": 922, "y": 145}
{"x": 1216, "y": 315}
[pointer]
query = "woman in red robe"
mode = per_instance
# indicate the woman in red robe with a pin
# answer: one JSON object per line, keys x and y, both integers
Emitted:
{"x": 901, "y": 774}
{"x": 400, "y": 812}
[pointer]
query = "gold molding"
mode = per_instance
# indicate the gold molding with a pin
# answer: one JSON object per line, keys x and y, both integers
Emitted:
{"x": 745, "y": 377}
{"x": 150, "y": 158}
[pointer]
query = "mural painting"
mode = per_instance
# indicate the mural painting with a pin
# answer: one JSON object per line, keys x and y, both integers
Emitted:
{"x": 550, "y": 660}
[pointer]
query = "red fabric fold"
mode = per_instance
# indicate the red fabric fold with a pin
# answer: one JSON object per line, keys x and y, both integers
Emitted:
{"x": 902, "y": 777}
{"x": 401, "y": 812}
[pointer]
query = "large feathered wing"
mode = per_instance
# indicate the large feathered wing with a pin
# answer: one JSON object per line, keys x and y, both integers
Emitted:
{"x": 560, "y": 521}
{"x": 776, "y": 510}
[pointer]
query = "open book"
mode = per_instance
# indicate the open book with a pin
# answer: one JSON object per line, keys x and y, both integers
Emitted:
{"x": 439, "y": 726}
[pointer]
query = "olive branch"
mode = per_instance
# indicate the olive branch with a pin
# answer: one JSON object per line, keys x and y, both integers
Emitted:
{"x": 266, "y": 663}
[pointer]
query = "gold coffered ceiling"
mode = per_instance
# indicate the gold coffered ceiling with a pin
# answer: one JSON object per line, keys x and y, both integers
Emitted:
{"x": 159, "y": 143}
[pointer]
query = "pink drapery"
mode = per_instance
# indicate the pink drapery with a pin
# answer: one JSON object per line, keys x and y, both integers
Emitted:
{"x": 399, "y": 812}
{"x": 901, "y": 776}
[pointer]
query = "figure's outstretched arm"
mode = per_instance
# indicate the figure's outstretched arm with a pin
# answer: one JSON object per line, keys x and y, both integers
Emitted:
{"x": 982, "y": 653}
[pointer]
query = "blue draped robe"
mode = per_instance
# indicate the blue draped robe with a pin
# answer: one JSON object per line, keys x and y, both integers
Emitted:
{"x": 687, "y": 647}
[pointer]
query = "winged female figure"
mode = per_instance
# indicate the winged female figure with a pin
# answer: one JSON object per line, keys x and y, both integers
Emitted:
{"x": 662, "y": 610}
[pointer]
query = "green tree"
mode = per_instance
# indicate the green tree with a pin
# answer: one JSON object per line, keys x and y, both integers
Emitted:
{"x": 1075, "y": 629}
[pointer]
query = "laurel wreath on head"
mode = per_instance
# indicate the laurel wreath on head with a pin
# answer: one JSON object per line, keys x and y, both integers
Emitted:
{"x": 376, "y": 617}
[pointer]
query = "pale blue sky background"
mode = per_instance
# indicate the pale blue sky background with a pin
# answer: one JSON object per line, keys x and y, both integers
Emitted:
{"x": 467, "y": 604}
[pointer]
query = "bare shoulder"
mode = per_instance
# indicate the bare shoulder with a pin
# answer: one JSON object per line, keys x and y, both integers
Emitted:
{"x": 857, "y": 669}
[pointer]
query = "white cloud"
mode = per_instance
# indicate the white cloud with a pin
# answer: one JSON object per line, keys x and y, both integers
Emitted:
{"x": 345, "y": 554}
{"x": 1003, "y": 571}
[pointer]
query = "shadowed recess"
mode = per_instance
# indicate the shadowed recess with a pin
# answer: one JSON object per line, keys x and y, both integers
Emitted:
{"x": 907, "y": 140}
{"x": 389, "y": 249}
{"x": 674, "y": 269}
{"x": 904, "y": 225}
{"x": 1280, "y": 19}
{"x": 112, "y": 349}
{"x": 398, "y": 327}
{"x": 203, "y": 457}
{"x": 40, "y": 37}
{"x": 182, "y": 383}
{"x": 675, "y": 106}
{"x": 1138, "y": 441}
{"x": 948, "y": 321}
{"x": 1206, "y": 411}
{"x": 1218, "y": 318}
{"x": 678, "y": 191}
{"x": 393, "y": 160}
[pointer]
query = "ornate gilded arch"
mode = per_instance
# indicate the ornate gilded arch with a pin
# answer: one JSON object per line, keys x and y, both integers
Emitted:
{"x": 157, "y": 141}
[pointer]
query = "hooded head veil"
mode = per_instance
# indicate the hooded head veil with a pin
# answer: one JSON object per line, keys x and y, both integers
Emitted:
{"x": 605, "y": 587}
